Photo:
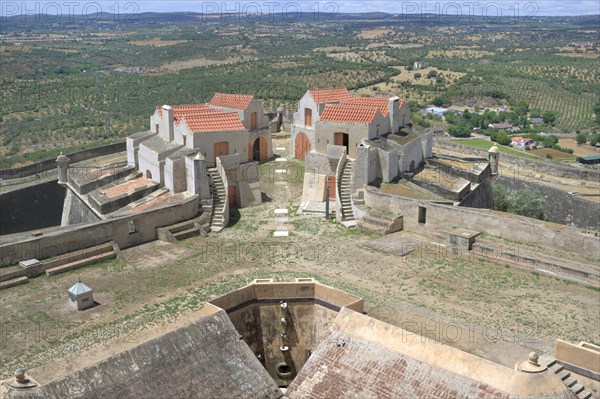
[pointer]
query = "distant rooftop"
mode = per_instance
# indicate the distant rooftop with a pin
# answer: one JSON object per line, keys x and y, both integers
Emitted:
{"x": 235, "y": 101}
{"x": 327, "y": 96}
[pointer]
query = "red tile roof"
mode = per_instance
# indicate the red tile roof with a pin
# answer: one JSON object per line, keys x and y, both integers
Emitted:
{"x": 327, "y": 96}
{"x": 369, "y": 102}
{"x": 235, "y": 101}
{"x": 351, "y": 114}
{"x": 214, "y": 122}
{"x": 180, "y": 109}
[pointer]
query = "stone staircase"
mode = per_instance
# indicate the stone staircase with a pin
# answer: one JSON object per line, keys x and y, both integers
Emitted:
{"x": 345, "y": 192}
{"x": 217, "y": 222}
{"x": 569, "y": 380}
{"x": 183, "y": 230}
{"x": 381, "y": 225}
{"x": 75, "y": 260}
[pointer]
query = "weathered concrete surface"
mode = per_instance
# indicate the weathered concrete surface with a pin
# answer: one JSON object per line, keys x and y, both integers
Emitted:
{"x": 75, "y": 211}
{"x": 205, "y": 359}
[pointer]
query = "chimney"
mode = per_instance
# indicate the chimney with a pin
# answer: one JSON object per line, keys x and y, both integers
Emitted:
{"x": 394, "y": 113}
{"x": 167, "y": 132}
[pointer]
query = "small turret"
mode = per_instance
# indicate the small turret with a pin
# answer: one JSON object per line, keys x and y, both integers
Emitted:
{"x": 62, "y": 163}
{"x": 494, "y": 158}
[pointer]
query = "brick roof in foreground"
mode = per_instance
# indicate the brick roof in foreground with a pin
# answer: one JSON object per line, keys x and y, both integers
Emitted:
{"x": 361, "y": 369}
{"x": 327, "y": 96}
{"x": 235, "y": 101}
{"x": 349, "y": 114}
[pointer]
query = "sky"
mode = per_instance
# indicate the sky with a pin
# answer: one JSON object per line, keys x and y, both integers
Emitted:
{"x": 520, "y": 8}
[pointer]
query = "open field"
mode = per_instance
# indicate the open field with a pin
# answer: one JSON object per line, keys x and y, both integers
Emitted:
{"x": 503, "y": 149}
{"x": 156, "y": 42}
{"x": 581, "y": 150}
{"x": 543, "y": 153}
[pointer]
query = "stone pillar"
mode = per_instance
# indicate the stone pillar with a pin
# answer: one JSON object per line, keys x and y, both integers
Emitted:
{"x": 62, "y": 163}
{"x": 494, "y": 159}
{"x": 197, "y": 176}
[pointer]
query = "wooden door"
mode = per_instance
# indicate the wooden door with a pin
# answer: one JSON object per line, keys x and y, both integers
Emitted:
{"x": 332, "y": 187}
{"x": 302, "y": 145}
{"x": 232, "y": 191}
{"x": 221, "y": 148}
{"x": 253, "y": 121}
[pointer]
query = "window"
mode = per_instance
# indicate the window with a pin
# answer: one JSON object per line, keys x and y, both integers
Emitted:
{"x": 422, "y": 215}
{"x": 132, "y": 227}
{"x": 308, "y": 117}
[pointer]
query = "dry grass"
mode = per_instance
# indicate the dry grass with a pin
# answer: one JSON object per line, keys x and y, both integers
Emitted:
{"x": 156, "y": 42}
{"x": 581, "y": 150}
{"x": 196, "y": 62}
{"x": 374, "y": 33}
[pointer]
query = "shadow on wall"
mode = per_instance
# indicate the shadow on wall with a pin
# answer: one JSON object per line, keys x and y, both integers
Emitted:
{"x": 31, "y": 208}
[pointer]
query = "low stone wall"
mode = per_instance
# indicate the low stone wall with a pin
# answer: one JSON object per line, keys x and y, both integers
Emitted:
{"x": 507, "y": 226}
{"x": 48, "y": 164}
{"x": 582, "y": 173}
{"x": 583, "y": 358}
{"x": 62, "y": 240}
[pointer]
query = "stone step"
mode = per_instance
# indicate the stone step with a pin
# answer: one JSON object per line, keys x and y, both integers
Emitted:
{"x": 585, "y": 394}
{"x": 80, "y": 263}
{"x": 563, "y": 375}
{"x": 577, "y": 388}
{"x": 556, "y": 368}
{"x": 377, "y": 221}
{"x": 13, "y": 282}
{"x": 570, "y": 381}
{"x": 371, "y": 228}
{"x": 182, "y": 235}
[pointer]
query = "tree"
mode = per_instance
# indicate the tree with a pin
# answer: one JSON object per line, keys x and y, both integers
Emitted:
{"x": 501, "y": 199}
{"x": 597, "y": 112}
{"x": 528, "y": 203}
{"x": 503, "y": 139}
{"x": 581, "y": 138}
{"x": 432, "y": 74}
{"x": 418, "y": 76}
{"x": 595, "y": 139}
{"x": 459, "y": 131}
{"x": 549, "y": 117}
{"x": 550, "y": 141}
{"x": 439, "y": 101}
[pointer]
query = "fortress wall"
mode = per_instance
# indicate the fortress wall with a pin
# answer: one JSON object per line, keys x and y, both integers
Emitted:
{"x": 62, "y": 240}
{"x": 49, "y": 164}
{"x": 480, "y": 197}
{"x": 540, "y": 166}
{"x": 560, "y": 206}
{"x": 511, "y": 227}
{"x": 31, "y": 208}
{"x": 75, "y": 211}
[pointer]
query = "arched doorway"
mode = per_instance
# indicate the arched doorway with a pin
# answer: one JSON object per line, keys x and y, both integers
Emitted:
{"x": 259, "y": 149}
{"x": 302, "y": 145}
{"x": 148, "y": 174}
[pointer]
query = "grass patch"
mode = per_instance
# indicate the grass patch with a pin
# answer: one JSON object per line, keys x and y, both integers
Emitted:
{"x": 503, "y": 149}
